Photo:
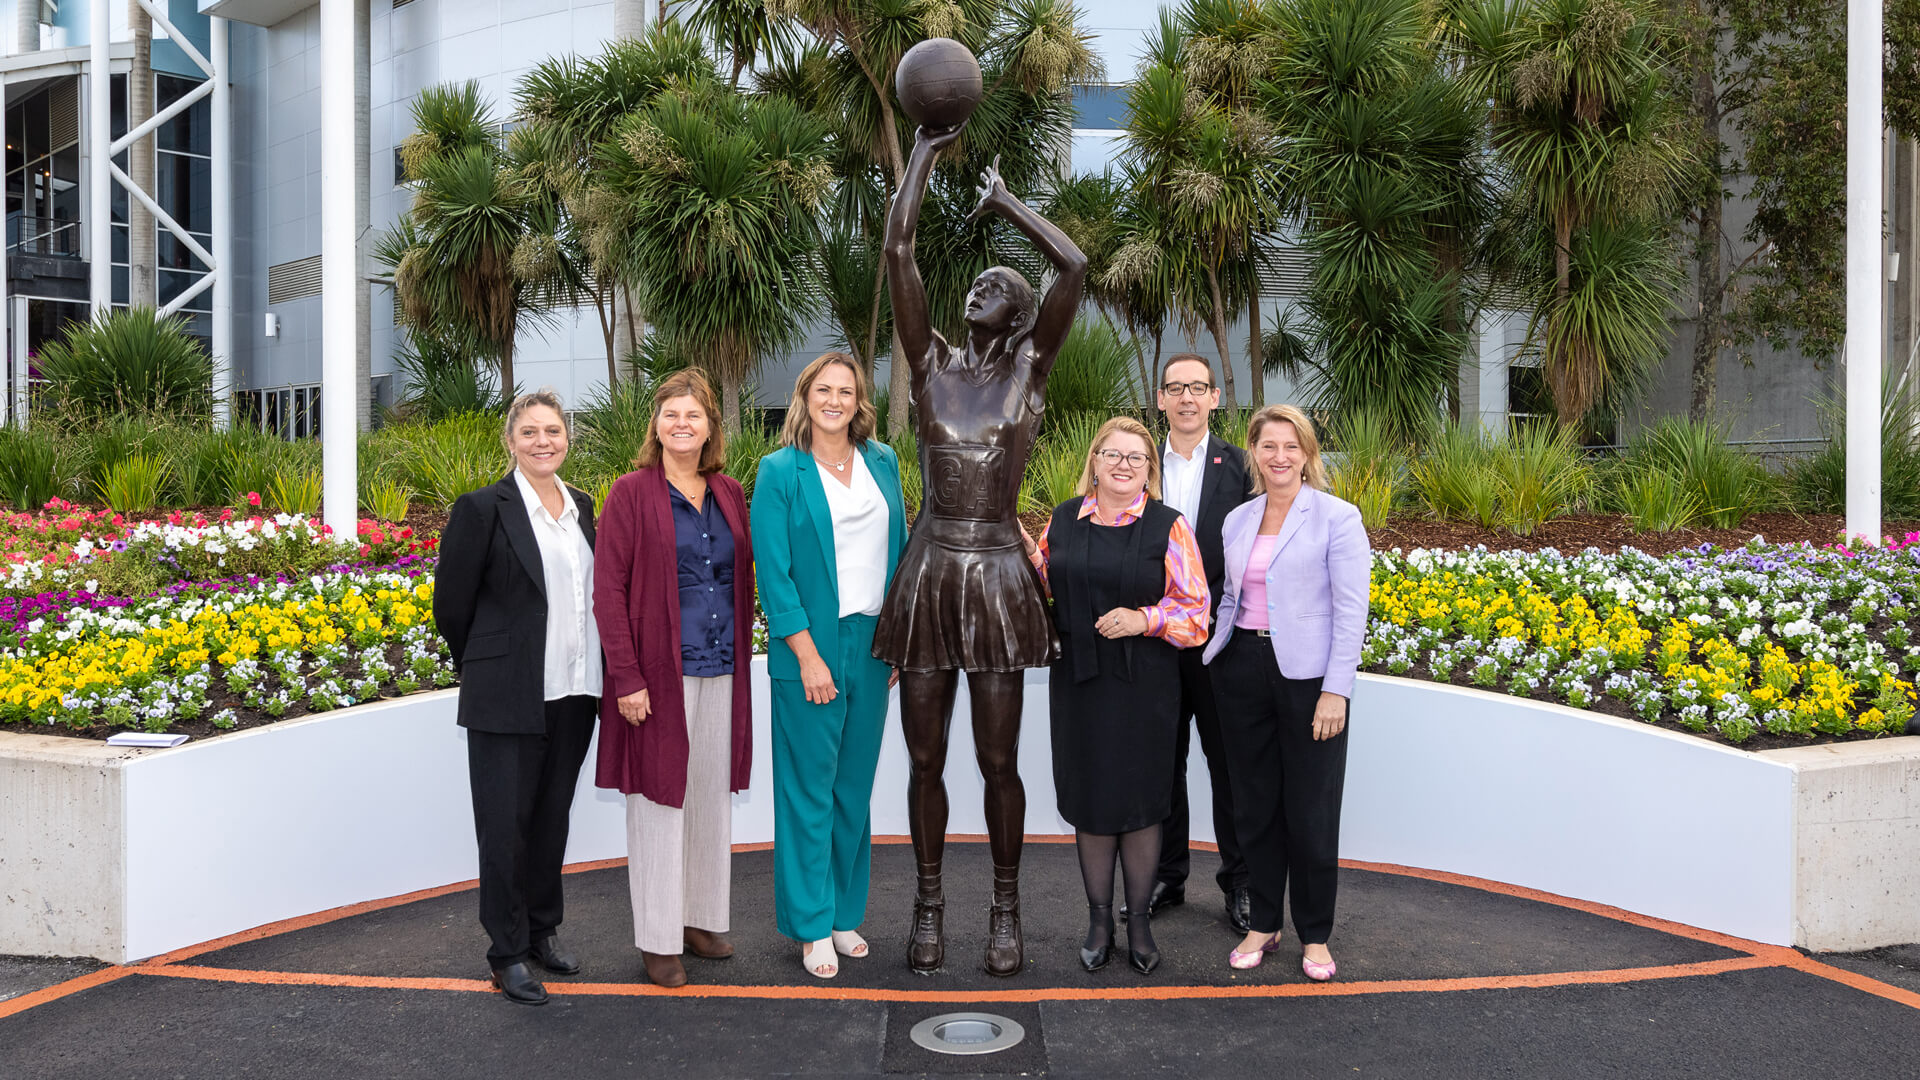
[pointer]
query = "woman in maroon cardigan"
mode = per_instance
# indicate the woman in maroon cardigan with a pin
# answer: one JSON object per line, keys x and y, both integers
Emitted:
{"x": 673, "y": 597}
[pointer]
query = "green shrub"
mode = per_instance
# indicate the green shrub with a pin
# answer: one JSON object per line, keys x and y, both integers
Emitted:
{"x": 445, "y": 378}
{"x": 444, "y": 460}
{"x": 1656, "y": 499}
{"x": 29, "y": 468}
{"x": 1725, "y": 481}
{"x": 745, "y": 449}
{"x": 1094, "y": 374}
{"x": 1056, "y": 464}
{"x": 1367, "y": 465}
{"x": 115, "y": 439}
{"x": 907, "y": 449}
{"x": 1540, "y": 476}
{"x": 386, "y": 500}
{"x": 1819, "y": 483}
{"x": 610, "y": 430}
{"x": 1230, "y": 424}
{"x": 294, "y": 491}
{"x": 1455, "y": 480}
{"x": 128, "y": 361}
{"x": 134, "y": 482}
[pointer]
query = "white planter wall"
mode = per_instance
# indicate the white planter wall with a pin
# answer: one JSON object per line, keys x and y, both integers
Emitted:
{"x": 127, "y": 854}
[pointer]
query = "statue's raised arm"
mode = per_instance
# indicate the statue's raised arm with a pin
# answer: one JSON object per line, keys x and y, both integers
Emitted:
{"x": 907, "y": 292}
{"x": 1062, "y": 298}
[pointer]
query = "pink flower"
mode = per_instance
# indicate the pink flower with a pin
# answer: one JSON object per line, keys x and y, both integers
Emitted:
{"x": 253, "y": 498}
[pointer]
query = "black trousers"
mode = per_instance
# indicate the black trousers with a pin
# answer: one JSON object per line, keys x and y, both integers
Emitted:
{"x": 522, "y": 792}
{"x": 1197, "y": 703}
{"x": 1286, "y": 786}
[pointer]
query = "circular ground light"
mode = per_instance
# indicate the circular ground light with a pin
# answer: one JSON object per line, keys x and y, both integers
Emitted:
{"x": 967, "y": 1033}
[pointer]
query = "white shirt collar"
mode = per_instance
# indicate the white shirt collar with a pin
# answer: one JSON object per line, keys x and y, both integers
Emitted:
{"x": 1199, "y": 449}
{"x": 535, "y": 506}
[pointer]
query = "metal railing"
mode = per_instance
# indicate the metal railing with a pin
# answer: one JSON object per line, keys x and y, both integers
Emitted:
{"x": 43, "y": 236}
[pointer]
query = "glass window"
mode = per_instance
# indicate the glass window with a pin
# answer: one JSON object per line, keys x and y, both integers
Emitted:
{"x": 192, "y": 130}
{"x": 35, "y": 129}
{"x": 119, "y": 123}
{"x": 185, "y": 185}
{"x": 175, "y": 255}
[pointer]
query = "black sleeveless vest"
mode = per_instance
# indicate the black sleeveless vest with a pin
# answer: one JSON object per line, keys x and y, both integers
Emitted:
{"x": 1096, "y": 568}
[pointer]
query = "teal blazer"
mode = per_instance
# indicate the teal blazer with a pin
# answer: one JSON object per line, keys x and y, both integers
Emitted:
{"x": 793, "y": 548}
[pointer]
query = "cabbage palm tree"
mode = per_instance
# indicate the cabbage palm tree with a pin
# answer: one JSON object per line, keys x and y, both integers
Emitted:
{"x": 1586, "y": 122}
{"x": 1383, "y": 150}
{"x": 452, "y": 254}
{"x": 715, "y": 199}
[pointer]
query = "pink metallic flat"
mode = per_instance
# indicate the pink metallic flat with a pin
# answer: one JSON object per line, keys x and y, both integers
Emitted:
{"x": 1243, "y": 961}
{"x": 1318, "y": 972}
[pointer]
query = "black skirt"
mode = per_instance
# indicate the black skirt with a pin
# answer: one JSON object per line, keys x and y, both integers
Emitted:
{"x": 964, "y": 610}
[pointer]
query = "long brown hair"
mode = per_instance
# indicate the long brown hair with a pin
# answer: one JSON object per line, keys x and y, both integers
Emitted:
{"x": 798, "y": 430}
{"x": 687, "y": 382}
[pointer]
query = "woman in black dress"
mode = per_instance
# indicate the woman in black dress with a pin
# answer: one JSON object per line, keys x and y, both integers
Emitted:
{"x": 1129, "y": 590}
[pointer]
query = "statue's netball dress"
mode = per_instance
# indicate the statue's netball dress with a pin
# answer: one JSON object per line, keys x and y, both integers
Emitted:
{"x": 964, "y": 597}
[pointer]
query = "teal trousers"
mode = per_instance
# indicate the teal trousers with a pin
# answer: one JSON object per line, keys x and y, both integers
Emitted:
{"x": 824, "y": 757}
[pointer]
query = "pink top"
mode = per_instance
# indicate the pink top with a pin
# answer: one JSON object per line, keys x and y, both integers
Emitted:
{"x": 1253, "y": 584}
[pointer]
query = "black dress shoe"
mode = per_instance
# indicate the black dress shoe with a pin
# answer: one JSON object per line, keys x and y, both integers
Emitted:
{"x": 1164, "y": 896}
{"x": 1240, "y": 910}
{"x": 1098, "y": 916}
{"x": 550, "y": 954}
{"x": 1145, "y": 962}
{"x": 516, "y": 981}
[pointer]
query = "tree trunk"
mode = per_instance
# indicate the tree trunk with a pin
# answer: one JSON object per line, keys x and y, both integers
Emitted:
{"x": 625, "y": 317}
{"x": 142, "y": 254}
{"x": 1217, "y": 326}
{"x": 873, "y": 320}
{"x": 629, "y": 19}
{"x": 507, "y": 390}
{"x": 1256, "y": 366}
{"x": 603, "y": 303}
{"x": 1708, "y": 253}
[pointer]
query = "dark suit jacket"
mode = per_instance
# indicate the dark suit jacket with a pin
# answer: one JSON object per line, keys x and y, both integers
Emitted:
{"x": 636, "y": 601}
{"x": 1222, "y": 487}
{"x": 490, "y": 603}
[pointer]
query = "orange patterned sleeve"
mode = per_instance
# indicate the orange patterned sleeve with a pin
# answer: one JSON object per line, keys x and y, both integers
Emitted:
{"x": 1181, "y": 616}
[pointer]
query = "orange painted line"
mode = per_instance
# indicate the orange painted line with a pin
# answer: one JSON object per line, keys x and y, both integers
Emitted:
{"x": 1607, "y": 911}
{"x": 1840, "y": 975}
{"x": 1062, "y": 993}
{"x": 59, "y": 990}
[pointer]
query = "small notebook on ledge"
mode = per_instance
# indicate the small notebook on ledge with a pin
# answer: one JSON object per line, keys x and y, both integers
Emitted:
{"x": 141, "y": 738}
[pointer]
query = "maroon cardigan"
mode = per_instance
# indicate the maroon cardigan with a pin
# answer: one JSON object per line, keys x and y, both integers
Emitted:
{"x": 636, "y": 603}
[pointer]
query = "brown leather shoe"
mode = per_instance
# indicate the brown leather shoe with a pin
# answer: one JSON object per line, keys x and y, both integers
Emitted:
{"x": 708, "y": 945}
{"x": 664, "y": 968}
{"x": 1006, "y": 955}
{"x": 926, "y": 940}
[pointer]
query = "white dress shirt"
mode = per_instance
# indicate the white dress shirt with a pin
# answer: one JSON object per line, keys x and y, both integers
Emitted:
{"x": 1181, "y": 479}
{"x": 860, "y": 523}
{"x": 573, "y": 641}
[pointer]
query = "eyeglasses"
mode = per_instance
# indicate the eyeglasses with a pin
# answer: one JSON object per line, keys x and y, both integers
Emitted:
{"x": 1191, "y": 389}
{"x": 1115, "y": 457}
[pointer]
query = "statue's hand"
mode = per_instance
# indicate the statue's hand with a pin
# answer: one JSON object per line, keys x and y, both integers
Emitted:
{"x": 939, "y": 139}
{"x": 993, "y": 191}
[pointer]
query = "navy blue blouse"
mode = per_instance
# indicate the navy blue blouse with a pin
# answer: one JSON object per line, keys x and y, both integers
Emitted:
{"x": 704, "y": 545}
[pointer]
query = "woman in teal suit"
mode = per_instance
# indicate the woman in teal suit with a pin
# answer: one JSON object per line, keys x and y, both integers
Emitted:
{"x": 828, "y": 527}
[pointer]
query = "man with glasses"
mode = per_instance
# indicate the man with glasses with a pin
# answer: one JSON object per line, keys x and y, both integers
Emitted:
{"x": 1202, "y": 477}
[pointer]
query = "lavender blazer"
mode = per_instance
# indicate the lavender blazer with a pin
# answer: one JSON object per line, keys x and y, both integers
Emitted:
{"x": 1316, "y": 587}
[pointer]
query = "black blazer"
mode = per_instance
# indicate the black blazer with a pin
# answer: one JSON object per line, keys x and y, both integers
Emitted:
{"x": 490, "y": 603}
{"x": 1223, "y": 486}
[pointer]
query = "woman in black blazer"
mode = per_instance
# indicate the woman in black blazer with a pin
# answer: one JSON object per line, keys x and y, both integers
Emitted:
{"x": 513, "y": 596}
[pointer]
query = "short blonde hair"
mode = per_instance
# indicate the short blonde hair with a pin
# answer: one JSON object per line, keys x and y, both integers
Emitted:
{"x": 687, "y": 382}
{"x": 1313, "y": 472}
{"x": 1121, "y": 425}
{"x": 543, "y": 396}
{"x": 798, "y": 430}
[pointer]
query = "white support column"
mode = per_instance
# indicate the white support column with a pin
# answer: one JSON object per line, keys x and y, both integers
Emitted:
{"x": 99, "y": 138}
{"x": 1866, "y": 266}
{"x": 221, "y": 192}
{"x": 17, "y": 309}
{"x": 339, "y": 269}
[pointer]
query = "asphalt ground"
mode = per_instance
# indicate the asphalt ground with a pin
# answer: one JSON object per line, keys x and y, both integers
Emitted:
{"x": 1440, "y": 976}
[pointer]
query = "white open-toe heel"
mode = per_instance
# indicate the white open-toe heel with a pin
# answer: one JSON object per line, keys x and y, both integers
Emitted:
{"x": 819, "y": 959}
{"x": 849, "y": 943}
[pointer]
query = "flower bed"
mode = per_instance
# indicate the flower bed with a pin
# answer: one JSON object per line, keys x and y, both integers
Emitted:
{"x": 1790, "y": 642}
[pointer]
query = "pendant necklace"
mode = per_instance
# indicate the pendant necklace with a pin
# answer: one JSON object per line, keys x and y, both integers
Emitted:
{"x": 836, "y": 466}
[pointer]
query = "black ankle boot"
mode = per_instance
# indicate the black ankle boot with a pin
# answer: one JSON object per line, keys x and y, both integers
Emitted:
{"x": 1006, "y": 955}
{"x": 926, "y": 940}
{"x": 1099, "y": 918}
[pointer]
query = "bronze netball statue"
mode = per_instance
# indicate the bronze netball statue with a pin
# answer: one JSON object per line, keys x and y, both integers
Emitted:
{"x": 965, "y": 598}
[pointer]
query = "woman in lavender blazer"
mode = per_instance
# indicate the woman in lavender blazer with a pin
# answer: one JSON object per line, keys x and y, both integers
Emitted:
{"x": 1283, "y": 654}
